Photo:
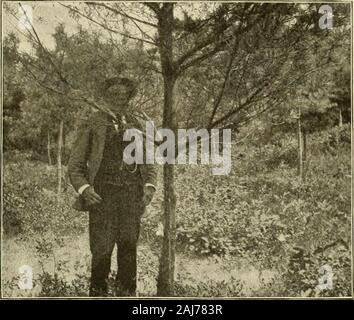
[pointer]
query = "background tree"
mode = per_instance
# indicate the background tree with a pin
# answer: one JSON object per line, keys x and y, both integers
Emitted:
{"x": 13, "y": 86}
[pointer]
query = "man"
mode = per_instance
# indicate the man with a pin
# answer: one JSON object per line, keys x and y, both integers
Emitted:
{"x": 114, "y": 193}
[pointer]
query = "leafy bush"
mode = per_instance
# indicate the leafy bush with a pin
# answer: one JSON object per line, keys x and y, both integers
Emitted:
{"x": 262, "y": 214}
{"x": 31, "y": 205}
{"x": 232, "y": 288}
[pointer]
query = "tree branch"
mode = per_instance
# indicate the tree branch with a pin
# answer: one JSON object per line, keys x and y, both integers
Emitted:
{"x": 106, "y": 27}
{"x": 226, "y": 79}
{"x": 100, "y": 4}
{"x": 153, "y": 6}
{"x": 43, "y": 48}
{"x": 212, "y": 38}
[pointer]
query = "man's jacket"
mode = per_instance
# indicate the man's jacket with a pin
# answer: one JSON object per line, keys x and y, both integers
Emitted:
{"x": 87, "y": 152}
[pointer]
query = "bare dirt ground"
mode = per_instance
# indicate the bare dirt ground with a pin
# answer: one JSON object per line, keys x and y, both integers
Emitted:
{"x": 72, "y": 257}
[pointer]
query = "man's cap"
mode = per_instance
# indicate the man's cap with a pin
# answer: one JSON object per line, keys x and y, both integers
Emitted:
{"x": 114, "y": 81}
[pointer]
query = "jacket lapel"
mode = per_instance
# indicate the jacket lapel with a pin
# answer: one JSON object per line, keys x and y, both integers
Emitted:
{"x": 98, "y": 143}
{"x": 101, "y": 129}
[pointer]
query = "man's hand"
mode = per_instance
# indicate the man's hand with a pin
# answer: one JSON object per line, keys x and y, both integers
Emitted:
{"x": 91, "y": 197}
{"x": 149, "y": 192}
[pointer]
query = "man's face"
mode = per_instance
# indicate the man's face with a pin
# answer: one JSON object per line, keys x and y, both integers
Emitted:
{"x": 117, "y": 96}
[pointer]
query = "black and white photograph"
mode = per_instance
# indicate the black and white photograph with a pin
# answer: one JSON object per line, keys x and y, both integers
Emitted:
{"x": 185, "y": 149}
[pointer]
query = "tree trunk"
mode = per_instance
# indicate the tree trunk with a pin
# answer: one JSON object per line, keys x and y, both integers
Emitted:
{"x": 63, "y": 145}
{"x": 340, "y": 120}
{"x": 300, "y": 145}
{"x": 165, "y": 281}
{"x": 305, "y": 165}
{"x": 340, "y": 124}
{"x": 60, "y": 144}
{"x": 50, "y": 162}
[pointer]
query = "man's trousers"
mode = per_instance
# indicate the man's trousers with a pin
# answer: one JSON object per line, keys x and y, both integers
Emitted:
{"x": 116, "y": 220}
